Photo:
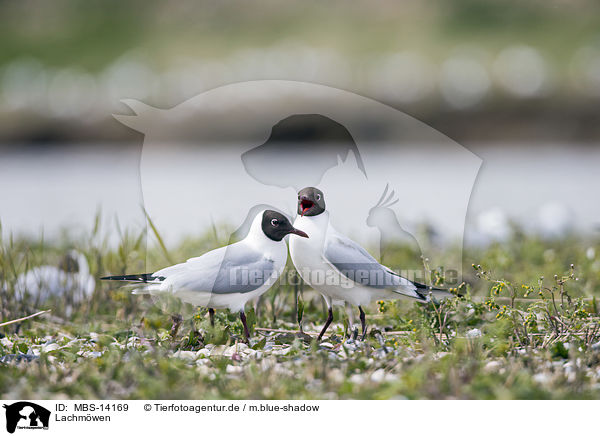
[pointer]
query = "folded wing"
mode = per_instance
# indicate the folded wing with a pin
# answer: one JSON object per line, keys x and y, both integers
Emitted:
{"x": 354, "y": 262}
{"x": 233, "y": 269}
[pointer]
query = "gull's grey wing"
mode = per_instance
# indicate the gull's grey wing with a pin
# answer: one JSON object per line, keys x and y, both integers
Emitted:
{"x": 354, "y": 262}
{"x": 242, "y": 271}
{"x": 232, "y": 269}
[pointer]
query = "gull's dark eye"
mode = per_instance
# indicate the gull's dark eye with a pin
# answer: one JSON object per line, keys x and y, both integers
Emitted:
{"x": 274, "y": 222}
{"x": 318, "y": 197}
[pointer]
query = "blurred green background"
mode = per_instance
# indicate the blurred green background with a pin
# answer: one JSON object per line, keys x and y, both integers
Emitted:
{"x": 515, "y": 82}
{"x": 499, "y": 69}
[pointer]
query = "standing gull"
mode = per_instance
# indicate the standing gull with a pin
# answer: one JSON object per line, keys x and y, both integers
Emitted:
{"x": 230, "y": 276}
{"x": 339, "y": 268}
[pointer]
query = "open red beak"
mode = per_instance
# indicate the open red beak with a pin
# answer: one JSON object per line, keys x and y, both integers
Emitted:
{"x": 299, "y": 233}
{"x": 305, "y": 204}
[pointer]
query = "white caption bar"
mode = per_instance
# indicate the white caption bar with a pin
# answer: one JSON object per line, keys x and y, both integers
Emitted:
{"x": 263, "y": 417}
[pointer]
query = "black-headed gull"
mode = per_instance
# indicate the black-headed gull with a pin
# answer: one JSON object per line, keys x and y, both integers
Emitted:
{"x": 339, "y": 268}
{"x": 230, "y": 276}
{"x": 71, "y": 280}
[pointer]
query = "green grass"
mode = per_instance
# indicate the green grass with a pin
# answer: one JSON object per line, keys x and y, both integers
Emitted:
{"x": 513, "y": 334}
{"x": 92, "y": 34}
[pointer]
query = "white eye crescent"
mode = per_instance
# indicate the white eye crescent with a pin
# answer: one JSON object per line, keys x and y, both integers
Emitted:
{"x": 274, "y": 222}
{"x": 318, "y": 197}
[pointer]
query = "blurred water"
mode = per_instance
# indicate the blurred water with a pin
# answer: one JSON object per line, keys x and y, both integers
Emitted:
{"x": 63, "y": 188}
{"x": 549, "y": 187}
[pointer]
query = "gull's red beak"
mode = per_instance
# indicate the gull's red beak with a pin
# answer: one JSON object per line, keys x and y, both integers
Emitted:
{"x": 305, "y": 204}
{"x": 299, "y": 233}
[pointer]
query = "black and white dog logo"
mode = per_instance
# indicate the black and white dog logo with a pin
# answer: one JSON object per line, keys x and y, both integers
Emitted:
{"x": 26, "y": 415}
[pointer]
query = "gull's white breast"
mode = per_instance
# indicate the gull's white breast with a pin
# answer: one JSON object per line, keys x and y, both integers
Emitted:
{"x": 308, "y": 258}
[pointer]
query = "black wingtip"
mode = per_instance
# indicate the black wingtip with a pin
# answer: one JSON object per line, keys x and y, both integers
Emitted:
{"x": 422, "y": 298}
{"x": 428, "y": 288}
{"x": 425, "y": 290}
{"x": 143, "y": 278}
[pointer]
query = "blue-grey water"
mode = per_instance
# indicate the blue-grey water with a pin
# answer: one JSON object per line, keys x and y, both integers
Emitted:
{"x": 546, "y": 188}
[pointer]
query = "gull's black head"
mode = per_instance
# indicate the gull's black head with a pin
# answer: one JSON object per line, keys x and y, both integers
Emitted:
{"x": 311, "y": 202}
{"x": 276, "y": 226}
